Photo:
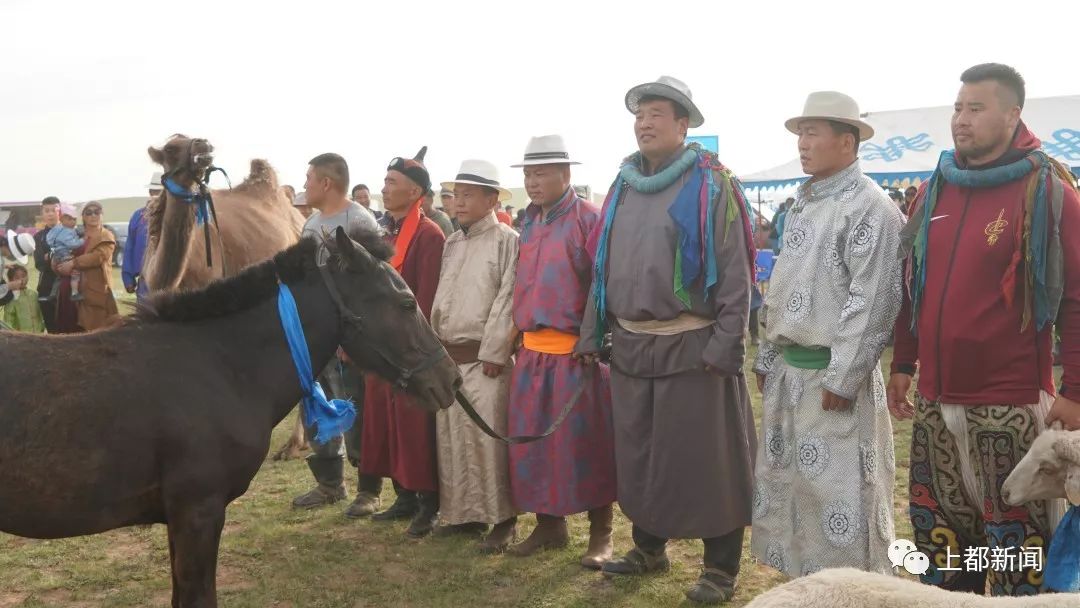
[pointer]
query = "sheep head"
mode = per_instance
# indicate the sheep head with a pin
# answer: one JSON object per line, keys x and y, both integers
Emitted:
{"x": 1050, "y": 469}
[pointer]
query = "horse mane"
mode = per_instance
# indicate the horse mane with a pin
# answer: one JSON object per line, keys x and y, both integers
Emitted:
{"x": 254, "y": 284}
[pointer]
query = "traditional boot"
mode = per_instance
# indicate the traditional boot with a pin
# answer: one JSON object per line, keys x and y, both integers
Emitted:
{"x": 367, "y": 497}
{"x": 550, "y": 533}
{"x": 599, "y": 538}
{"x": 500, "y": 537}
{"x": 712, "y": 587}
{"x": 329, "y": 473}
{"x": 424, "y": 521}
{"x": 405, "y": 506}
{"x": 474, "y": 528}
{"x": 636, "y": 561}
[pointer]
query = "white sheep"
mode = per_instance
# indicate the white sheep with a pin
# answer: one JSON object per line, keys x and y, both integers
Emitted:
{"x": 851, "y": 588}
{"x": 1050, "y": 469}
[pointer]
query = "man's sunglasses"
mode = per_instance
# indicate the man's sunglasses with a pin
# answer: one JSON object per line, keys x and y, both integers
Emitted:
{"x": 91, "y": 212}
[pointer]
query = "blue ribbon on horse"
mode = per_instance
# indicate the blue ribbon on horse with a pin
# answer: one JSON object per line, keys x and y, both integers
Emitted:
{"x": 1063, "y": 559}
{"x": 330, "y": 418}
{"x": 201, "y": 202}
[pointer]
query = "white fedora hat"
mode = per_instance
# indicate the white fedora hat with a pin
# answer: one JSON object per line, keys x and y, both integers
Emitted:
{"x": 546, "y": 150}
{"x": 668, "y": 88}
{"x": 21, "y": 246}
{"x": 479, "y": 173}
{"x": 155, "y": 181}
{"x": 830, "y": 105}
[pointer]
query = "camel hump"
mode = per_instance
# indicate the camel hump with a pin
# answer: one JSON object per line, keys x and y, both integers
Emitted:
{"x": 261, "y": 178}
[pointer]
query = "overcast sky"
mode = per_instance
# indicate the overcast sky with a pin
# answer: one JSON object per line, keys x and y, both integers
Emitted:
{"x": 87, "y": 86}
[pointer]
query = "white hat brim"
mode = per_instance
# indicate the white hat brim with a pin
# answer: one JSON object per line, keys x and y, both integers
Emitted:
{"x": 865, "y": 130}
{"x": 11, "y": 236}
{"x": 504, "y": 194}
{"x": 543, "y": 161}
{"x": 667, "y": 92}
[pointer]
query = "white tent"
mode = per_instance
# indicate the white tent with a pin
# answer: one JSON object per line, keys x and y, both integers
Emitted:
{"x": 907, "y": 143}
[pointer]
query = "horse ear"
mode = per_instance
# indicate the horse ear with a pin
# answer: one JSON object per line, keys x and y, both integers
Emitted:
{"x": 355, "y": 256}
{"x": 156, "y": 155}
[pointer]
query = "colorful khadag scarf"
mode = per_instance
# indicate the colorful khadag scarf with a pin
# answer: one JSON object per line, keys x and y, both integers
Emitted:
{"x": 409, "y": 224}
{"x": 1040, "y": 250}
{"x": 693, "y": 214}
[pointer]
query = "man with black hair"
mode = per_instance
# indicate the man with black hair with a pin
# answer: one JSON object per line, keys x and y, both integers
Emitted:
{"x": 325, "y": 188}
{"x": 50, "y": 215}
{"x": 674, "y": 262}
{"x": 993, "y": 245}
{"x": 361, "y": 195}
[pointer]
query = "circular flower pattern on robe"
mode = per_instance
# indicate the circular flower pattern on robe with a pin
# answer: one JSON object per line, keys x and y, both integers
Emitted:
{"x": 761, "y": 501}
{"x": 877, "y": 387}
{"x": 776, "y": 450}
{"x": 834, "y": 259}
{"x": 855, "y": 304}
{"x": 884, "y": 522}
{"x": 798, "y": 304}
{"x": 862, "y": 238}
{"x": 813, "y": 455}
{"x": 868, "y": 457}
{"x": 849, "y": 191}
{"x": 840, "y": 523}
{"x": 775, "y": 557}
{"x": 799, "y": 236}
{"x": 767, "y": 358}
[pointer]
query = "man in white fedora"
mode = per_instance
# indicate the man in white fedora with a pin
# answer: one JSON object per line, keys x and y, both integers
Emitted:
{"x": 472, "y": 316}
{"x": 18, "y": 247}
{"x": 672, "y": 275}
{"x": 823, "y": 490}
{"x": 572, "y": 470}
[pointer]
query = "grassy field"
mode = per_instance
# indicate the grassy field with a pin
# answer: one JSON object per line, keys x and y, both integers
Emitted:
{"x": 274, "y": 556}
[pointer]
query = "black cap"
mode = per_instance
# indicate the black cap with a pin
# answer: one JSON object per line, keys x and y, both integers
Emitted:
{"x": 413, "y": 168}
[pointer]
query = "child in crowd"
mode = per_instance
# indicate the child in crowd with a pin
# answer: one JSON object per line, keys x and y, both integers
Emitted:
{"x": 22, "y": 313}
{"x": 63, "y": 240}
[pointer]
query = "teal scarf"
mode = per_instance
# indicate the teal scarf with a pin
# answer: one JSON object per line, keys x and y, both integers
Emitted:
{"x": 1040, "y": 247}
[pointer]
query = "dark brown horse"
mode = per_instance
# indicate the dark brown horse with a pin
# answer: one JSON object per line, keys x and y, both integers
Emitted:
{"x": 186, "y": 397}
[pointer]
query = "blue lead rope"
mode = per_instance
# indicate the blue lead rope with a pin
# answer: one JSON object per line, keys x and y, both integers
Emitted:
{"x": 202, "y": 204}
{"x": 330, "y": 418}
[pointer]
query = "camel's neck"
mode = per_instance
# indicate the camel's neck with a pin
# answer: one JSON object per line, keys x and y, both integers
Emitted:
{"x": 262, "y": 364}
{"x": 167, "y": 260}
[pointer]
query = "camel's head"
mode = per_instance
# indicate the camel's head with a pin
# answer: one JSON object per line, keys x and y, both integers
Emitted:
{"x": 183, "y": 159}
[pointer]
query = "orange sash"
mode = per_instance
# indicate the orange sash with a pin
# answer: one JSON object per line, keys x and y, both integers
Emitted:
{"x": 405, "y": 236}
{"x": 549, "y": 341}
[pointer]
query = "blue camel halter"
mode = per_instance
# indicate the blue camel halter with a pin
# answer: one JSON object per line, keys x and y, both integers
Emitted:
{"x": 329, "y": 417}
{"x": 203, "y": 202}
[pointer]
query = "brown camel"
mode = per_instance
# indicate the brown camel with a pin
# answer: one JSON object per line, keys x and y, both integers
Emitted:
{"x": 255, "y": 220}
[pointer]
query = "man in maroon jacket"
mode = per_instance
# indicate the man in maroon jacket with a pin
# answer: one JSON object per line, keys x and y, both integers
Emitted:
{"x": 398, "y": 439}
{"x": 994, "y": 266}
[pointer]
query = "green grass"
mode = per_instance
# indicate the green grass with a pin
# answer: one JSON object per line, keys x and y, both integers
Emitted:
{"x": 273, "y": 556}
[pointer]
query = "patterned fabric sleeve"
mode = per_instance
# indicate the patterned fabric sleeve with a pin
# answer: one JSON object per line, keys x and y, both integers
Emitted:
{"x": 874, "y": 296}
{"x": 767, "y": 351}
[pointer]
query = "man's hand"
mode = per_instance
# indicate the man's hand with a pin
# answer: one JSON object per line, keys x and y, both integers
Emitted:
{"x": 587, "y": 358}
{"x": 492, "y": 370}
{"x": 65, "y": 268}
{"x": 760, "y": 382}
{"x": 897, "y": 394}
{"x": 834, "y": 403}
{"x": 1067, "y": 412}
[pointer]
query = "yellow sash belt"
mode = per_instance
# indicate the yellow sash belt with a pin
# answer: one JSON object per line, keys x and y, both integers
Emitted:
{"x": 549, "y": 341}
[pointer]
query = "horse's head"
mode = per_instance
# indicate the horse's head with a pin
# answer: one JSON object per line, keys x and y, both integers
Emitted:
{"x": 384, "y": 329}
{"x": 183, "y": 159}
